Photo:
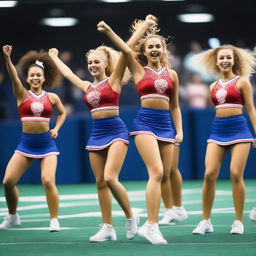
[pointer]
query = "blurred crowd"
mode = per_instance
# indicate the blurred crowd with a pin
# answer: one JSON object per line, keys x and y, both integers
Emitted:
{"x": 194, "y": 84}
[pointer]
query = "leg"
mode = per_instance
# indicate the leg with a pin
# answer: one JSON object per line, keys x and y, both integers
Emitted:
{"x": 212, "y": 165}
{"x": 166, "y": 152}
{"x": 48, "y": 171}
{"x": 116, "y": 155}
{"x": 239, "y": 155}
{"x": 176, "y": 179}
{"x": 172, "y": 195}
{"x": 172, "y": 198}
{"x": 213, "y": 159}
{"x": 17, "y": 165}
{"x": 153, "y": 162}
{"x": 98, "y": 161}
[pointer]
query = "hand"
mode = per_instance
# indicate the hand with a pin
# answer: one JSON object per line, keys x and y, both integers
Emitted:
{"x": 151, "y": 19}
{"x": 54, "y": 133}
{"x": 7, "y": 50}
{"x": 179, "y": 138}
{"x": 53, "y": 52}
{"x": 103, "y": 27}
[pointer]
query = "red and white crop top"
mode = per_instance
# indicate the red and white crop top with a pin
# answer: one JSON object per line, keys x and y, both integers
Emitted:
{"x": 155, "y": 84}
{"x": 101, "y": 96}
{"x": 35, "y": 108}
{"x": 227, "y": 95}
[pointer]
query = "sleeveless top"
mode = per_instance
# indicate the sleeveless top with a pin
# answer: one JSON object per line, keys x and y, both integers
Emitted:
{"x": 227, "y": 95}
{"x": 35, "y": 108}
{"x": 101, "y": 96}
{"x": 155, "y": 84}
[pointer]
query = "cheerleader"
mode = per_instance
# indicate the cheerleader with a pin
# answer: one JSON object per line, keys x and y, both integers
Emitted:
{"x": 37, "y": 140}
{"x": 109, "y": 138}
{"x": 152, "y": 129}
{"x": 229, "y": 129}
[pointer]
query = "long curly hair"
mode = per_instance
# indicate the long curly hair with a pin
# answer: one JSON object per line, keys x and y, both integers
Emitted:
{"x": 111, "y": 57}
{"x": 51, "y": 72}
{"x": 152, "y": 32}
{"x": 244, "y": 61}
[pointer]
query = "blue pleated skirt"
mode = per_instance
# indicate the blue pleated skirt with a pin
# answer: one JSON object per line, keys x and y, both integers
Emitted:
{"x": 106, "y": 131}
{"x": 230, "y": 130}
{"x": 37, "y": 145}
{"x": 155, "y": 122}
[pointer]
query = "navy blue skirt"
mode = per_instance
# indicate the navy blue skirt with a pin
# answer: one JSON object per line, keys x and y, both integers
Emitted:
{"x": 230, "y": 130}
{"x": 106, "y": 131}
{"x": 155, "y": 122}
{"x": 37, "y": 145}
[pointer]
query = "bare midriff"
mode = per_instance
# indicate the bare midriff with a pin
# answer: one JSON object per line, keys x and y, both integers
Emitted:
{"x": 155, "y": 104}
{"x": 105, "y": 114}
{"x": 226, "y": 112}
{"x": 35, "y": 127}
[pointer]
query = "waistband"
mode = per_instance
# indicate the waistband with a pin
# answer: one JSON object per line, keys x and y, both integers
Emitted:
{"x": 104, "y": 108}
{"x": 155, "y": 96}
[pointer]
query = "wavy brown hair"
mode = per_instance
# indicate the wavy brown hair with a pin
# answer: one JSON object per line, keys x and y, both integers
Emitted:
{"x": 152, "y": 32}
{"x": 244, "y": 61}
{"x": 51, "y": 72}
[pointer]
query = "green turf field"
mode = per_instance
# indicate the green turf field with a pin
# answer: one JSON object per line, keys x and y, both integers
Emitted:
{"x": 79, "y": 218}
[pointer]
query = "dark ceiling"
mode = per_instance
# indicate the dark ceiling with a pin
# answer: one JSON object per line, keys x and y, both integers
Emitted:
{"x": 235, "y": 23}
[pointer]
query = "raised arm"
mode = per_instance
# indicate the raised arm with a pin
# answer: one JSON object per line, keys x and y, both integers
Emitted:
{"x": 18, "y": 90}
{"x": 140, "y": 32}
{"x": 132, "y": 63}
{"x": 66, "y": 71}
{"x": 116, "y": 77}
{"x": 117, "y": 41}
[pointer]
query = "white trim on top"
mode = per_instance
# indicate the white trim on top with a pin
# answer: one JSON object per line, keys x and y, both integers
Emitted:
{"x": 157, "y": 72}
{"x": 102, "y": 81}
{"x": 227, "y": 82}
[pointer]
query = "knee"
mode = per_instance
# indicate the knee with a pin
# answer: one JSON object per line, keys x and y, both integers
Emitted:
{"x": 48, "y": 182}
{"x": 166, "y": 178}
{"x": 210, "y": 175}
{"x": 156, "y": 173}
{"x": 8, "y": 183}
{"x": 235, "y": 176}
{"x": 100, "y": 182}
{"x": 109, "y": 180}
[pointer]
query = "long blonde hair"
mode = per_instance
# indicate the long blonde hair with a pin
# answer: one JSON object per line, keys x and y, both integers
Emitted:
{"x": 244, "y": 61}
{"x": 111, "y": 57}
{"x": 152, "y": 32}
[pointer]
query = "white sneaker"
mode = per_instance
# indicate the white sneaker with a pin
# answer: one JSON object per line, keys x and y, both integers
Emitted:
{"x": 204, "y": 226}
{"x": 132, "y": 227}
{"x": 181, "y": 213}
{"x": 106, "y": 233}
{"x": 152, "y": 233}
{"x": 170, "y": 217}
{"x": 237, "y": 227}
{"x": 252, "y": 214}
{"x": 54, "y": 225}
{"x": 10, "y": 220}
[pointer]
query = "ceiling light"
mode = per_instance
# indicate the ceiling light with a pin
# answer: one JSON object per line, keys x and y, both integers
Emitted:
{"x": 5, "y": 4}
{"x": 59, "y": 22}
{"x": 196, "y": 17}
{"x": 115, "y": 1}
{"x": 173, "y": 0}
{"x": 195, "y": 13}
